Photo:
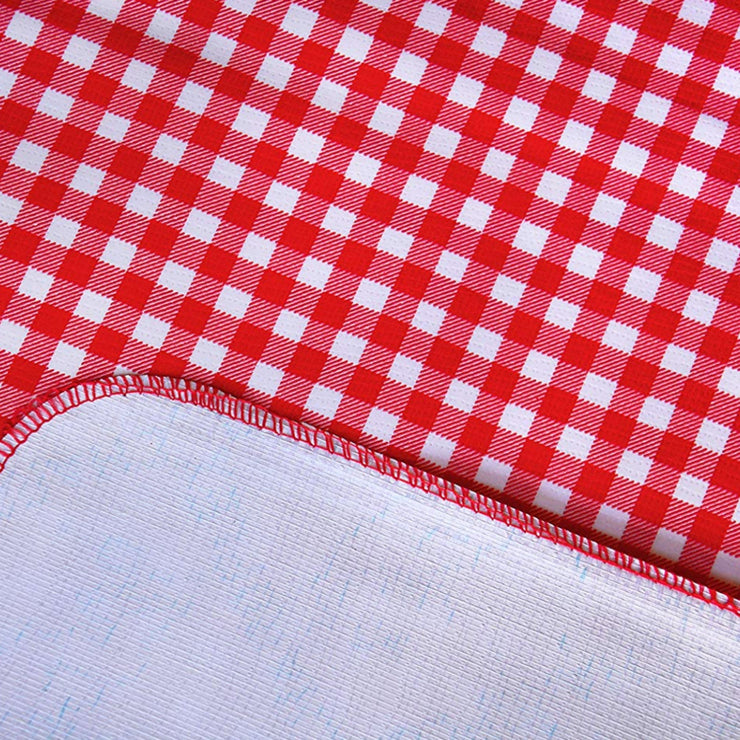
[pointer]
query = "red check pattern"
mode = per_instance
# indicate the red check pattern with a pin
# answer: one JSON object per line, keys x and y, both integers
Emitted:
{"x": 499, "y": 239}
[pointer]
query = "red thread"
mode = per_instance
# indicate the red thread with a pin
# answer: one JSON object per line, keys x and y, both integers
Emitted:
{"x": 46, "y": 407}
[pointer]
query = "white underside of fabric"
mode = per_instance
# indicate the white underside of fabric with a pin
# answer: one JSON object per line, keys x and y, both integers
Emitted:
{"x": 169, "y": 572}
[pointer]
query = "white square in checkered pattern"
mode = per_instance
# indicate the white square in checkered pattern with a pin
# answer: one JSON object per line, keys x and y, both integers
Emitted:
{"x": 371, "y": 295}
{"x": 521, "y": 114}
{"x": 696, "y": 11}
{"x": 81, "y": 52}
{"x": 562, "y": 313}
{"x": 713, "y": 436}
{"x": 656, "y": 413}
{"x": 428, "y": 318}
{"x": 226, "y": 173}
{"x": 678, "y": 359}
{"x": 323, "y": 401}
{"x": 194, "y": 98}
{"x": 438, "y": 450}
{"x": 597, "y": 390}
{"x": 531, "y": 238}
{"x": 169, "y": 149}
{"x": 668, "y": 544}
{"x": 354, "y": 45}
{"x": 12, "y": 336}
{"x": 619, "y": 336}
{"x": 700, "y": 307}
{"x": 299, "y": 21}
{"x": 138, "y": 76}
{"x": 245, "y": 7}
{"x": 106, "y": 9}
{"x": 151, "y": 331}
{"x": 24, "y": 29}
{"x": 653, "y": 108}
{"x": 386, "y": 119}
{"x": 314, "y": 273}
{"x": 113, "y": 127}
{"x": 709, "y": 130}
{"x": 673, "y": 59}
{"x": 566, "y": 16}
{"x": 620, "y": 38}
{"x": 251, "y": 121}
{"x": 575, "y": 443}
{"x": 9, "y": 208}
{"x": 539, "y": 367}
{"x": 208, "y": 355}
{"x": 493, "y": 473}
{"x": 451, "y": 265}
{"x": 516, "y": 419}
{"x": 92, "y": 306}
{"x": 143, "y": 201}
{"x": 642, "y": 284}
{"x": 66, "y": 359}
{"x": 730, "y": 381}
{"x": 544, "y": 64}
{"x": 489, "y": 41}
{"x": 553, "y": 187}
{"x": 29, "y": 156}
{"x": 257, "y": 250}
{"x": 419, "y": 191}
{"x": 330, "y": 96}
{"x": 338, "y": 221}
{"x": 405, "y": 370}
{"x": 498, "y": 164}
{"x": 630, "y": 159}
{"x": 290, "y": 325}
{"x": 585, "y": 261}
{"x": 726, "y": 567}
{"x": 362, "y": 169}
{"x": 461, "y": 396}
{"x": 87, "y": 179}
{"x": 201, "y": 225}
{"x": 433, "y": 18}
{"x": 465, "y": 91}
{"x": 474, "y": 214}
{"x": 274, "y": 72}
{"x": 484, "y": 343}
{"x": 348, "y": 347}
{"x": 607, "y": 210}
{"x": 233, "y": 302}
{"x": 687, "y": 181}
{"x": 163, "y": 26}
{"x": 62, "y": 231}
{"x": 7, "y": 80}
{"x": 507, "y": 290}
{"x": 409, "y": 68}
{"x": 380, "y": 424}
{"x": 282, "y": 197}
{"x": 552, "y": 498}
{"x": 218, "y": 49}
{"x": 733, "y": 204}
{"x": 176, "y": 278}
{"x": 118, "y": 253}
{"x": 306, "y": 145}
{"x": 265, "y": 378}
{"x": 690, "y": 489}
{"x": 611, "y": 521}
{"x": 442, "y": 141}
{"x": 576, "y": 136}
{"x": 634, "y": 467}
{"x": 598, "y": 86}
{"x": 381, "y": 5}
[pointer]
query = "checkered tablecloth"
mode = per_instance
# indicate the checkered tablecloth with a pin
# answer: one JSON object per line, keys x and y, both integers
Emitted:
{"x": 499, "y": 239}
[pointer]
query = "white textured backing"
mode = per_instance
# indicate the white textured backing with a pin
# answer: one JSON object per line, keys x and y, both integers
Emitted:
{"x": 167, "y": 572}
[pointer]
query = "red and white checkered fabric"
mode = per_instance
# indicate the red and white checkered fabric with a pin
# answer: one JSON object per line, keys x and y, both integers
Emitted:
{"x": 498, "y": 238}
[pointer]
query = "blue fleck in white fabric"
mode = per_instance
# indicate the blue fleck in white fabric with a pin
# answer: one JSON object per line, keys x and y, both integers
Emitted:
{"x": 167, "y": 572}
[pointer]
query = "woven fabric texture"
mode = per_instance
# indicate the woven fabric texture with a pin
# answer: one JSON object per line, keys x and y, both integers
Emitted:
{"x": 169, "y": 572}
{"x": 498, "y": 239}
